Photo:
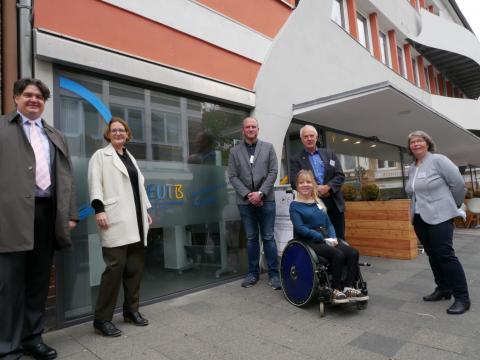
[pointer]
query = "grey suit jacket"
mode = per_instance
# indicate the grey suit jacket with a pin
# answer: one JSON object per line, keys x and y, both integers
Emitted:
{"x": 17, "y": 185}
{"x": 263, "y": 171}
{"x": 438, "y": 190}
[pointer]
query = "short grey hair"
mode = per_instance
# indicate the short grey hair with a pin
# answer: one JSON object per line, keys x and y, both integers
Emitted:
{"x": 308, "y": 127}
{"x": 428, "y": 139}
{"x": 250, "y": 118}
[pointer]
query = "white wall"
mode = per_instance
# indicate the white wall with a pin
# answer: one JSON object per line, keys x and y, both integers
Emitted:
{"x": 313, "y": 57}
{"x": 464, "y": 112}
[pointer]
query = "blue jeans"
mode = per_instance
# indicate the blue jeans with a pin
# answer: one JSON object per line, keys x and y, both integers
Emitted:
{"x": 262, "y": 217}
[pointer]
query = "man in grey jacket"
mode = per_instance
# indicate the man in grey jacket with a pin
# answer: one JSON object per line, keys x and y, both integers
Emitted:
{"x": 37, "y": 212}
{"x": 252, "y": 170}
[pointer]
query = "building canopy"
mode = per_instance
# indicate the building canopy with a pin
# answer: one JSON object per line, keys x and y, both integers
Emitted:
{"x": 382, "y": 111}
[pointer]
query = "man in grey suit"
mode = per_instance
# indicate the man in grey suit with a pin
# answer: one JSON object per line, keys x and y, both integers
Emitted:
{"x": 252, "y": 170}
{"x": 37, "y": 212}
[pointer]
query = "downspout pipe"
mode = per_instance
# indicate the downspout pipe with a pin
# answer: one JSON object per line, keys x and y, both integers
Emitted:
{"x": 9, "y": 54}
{"x": 25, "y": 38}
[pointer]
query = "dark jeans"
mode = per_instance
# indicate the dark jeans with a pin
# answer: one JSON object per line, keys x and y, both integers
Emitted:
{"x": 123, "y": 264}
{"x": 339, "y": 257}
{"x": 262, "y": 217}
{"x": 24, "y": 282}
{"x": 447, "y": 270}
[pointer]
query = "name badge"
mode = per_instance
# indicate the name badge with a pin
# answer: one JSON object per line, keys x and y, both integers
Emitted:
{"x": 251, "y": 159}
{"x": 332, "y": 162}
{"x": 421, "y": 175}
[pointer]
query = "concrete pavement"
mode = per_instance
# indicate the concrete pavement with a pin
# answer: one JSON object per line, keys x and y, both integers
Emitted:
{"x": 229, "y": 322}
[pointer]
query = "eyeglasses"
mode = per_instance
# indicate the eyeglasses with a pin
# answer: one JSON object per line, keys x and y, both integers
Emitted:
{"x": 118, "y": 131}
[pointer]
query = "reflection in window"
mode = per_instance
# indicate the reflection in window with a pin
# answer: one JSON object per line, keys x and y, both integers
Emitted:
{"x": 427, "y": 79}
{"x": 337, "y": 13}
{"x": 401, "y": 62}
{"x": 367, "y": 161}
{"x": 384, "y": 48}
{"x": 183, "y": 146}
{"x": 415, "y": 72}
{"x": 362, "y": 31}
{"x": 348, "y": 162}
{"x": 71, "y": 109}
{"x": 386, "y": 164}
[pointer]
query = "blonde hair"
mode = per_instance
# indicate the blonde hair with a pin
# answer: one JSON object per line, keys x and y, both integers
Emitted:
{"x": 308, "y": 175}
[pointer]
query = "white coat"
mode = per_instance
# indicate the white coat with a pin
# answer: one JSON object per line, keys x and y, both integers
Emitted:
{"x": 108, "y": 181}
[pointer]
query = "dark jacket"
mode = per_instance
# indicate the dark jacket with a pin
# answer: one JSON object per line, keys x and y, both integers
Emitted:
{"x": 334, "y": 176}
{"x": 17, "y": 186}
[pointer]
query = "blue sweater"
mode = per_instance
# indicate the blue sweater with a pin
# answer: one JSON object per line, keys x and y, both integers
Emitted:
{"x": 306, "y": 217}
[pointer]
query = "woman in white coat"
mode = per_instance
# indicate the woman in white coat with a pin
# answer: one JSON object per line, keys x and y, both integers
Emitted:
{"x": 118, "y": 195}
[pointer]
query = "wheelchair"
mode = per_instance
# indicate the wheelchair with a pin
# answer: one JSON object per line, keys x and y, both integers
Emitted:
{"x": 305, "y": 277}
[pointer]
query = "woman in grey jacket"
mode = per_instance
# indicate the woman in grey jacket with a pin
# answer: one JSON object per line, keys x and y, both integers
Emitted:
{"x": 437, "y": 190}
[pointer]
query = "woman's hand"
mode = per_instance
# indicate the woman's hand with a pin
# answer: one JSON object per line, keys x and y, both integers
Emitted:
{"x": 102, "y": 220}
{"x": 332, "y": 242}
{"x": 149, "y": 219}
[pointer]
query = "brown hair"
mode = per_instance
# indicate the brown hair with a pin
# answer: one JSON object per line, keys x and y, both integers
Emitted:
{"x": 424, "y": 136}
{"x": 114, "y": 119}
{"x": 307, "y": 174}
{"x": 20, "y": 85}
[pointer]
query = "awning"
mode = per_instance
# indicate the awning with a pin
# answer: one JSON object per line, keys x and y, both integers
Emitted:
{"x": 460, "y": 70}
{"x": 383, "y": 111}
{"x": 452, "y": 49}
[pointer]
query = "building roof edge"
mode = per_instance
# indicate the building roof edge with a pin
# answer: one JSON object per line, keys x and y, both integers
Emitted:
{"x": 460, "y": 15}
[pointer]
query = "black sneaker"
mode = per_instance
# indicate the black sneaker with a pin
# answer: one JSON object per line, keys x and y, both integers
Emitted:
{"x": 249, "y": 281}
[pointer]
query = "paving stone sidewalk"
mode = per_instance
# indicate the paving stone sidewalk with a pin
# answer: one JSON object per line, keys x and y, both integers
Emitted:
{"x": 229, "y": 322}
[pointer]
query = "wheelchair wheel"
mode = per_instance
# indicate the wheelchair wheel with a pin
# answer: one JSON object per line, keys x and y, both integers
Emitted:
{"x": 298, "y": 273}
{"x": 321, "y": 309}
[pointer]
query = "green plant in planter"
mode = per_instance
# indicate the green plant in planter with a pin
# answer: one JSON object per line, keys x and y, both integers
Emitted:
{"x": 369, "y": 192}
{"x": 349, "y": 191}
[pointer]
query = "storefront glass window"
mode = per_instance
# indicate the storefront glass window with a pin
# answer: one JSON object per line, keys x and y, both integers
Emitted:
{"x": 369, "y": 161}
{"x": 182, "y": 146}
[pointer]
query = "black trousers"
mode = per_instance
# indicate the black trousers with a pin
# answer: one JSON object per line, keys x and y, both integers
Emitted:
{"x": 339, "y": 257}
{"x": 336, "y": 217}
{"x": 447, "y": 270}
{"x": 24, "y": 282}
{"x": 124, "y": 264}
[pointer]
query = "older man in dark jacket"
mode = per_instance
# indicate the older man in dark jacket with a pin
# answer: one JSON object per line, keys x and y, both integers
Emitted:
{"x": 328, "y": 173}
{"x": 37, "y": 212}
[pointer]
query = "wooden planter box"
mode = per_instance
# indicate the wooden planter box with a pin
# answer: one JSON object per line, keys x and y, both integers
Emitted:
{"x": 381, "y": 228}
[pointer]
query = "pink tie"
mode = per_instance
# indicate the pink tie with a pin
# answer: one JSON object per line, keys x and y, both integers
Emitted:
{"x": 42, "y": 173}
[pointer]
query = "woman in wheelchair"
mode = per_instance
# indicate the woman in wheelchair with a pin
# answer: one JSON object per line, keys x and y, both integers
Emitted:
{"x": 312, "y": 226}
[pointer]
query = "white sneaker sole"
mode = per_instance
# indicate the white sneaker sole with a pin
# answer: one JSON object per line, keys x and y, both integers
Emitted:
{"x": 358, "y": 298}
{"x": 339, "y": 301}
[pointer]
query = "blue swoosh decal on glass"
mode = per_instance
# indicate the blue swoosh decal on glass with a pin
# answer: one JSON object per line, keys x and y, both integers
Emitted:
{"x": 87, "y": 95}
{"x": 85, "y": 210}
